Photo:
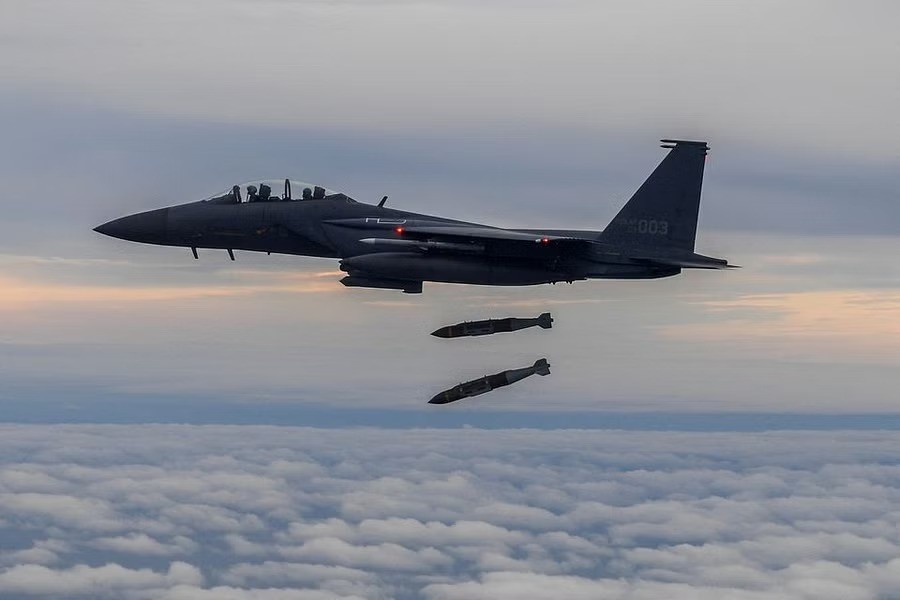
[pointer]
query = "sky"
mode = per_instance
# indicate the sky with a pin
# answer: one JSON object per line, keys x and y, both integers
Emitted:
{"x": 518, "y": 114}
{"x": 186, "y": 429}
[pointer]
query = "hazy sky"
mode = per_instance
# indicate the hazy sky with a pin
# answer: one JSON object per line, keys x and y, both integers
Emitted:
{"x": 525, "y": 114}
{"x": 533, "y": 114}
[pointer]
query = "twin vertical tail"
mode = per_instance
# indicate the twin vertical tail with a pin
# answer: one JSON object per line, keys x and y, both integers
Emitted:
{"x": 664, "y": 210}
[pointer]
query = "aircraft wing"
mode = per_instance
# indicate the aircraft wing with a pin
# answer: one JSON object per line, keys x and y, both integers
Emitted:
{"x": 490, "y": 235}
{"x": 465, "y": 238}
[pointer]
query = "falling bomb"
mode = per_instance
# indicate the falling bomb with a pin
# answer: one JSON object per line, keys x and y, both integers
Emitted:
{"x": 491, "y": 326}
{"x": 487, "y": 383}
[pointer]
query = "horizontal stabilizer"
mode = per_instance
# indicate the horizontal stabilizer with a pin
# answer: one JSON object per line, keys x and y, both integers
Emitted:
{"x": 693, "y": 261}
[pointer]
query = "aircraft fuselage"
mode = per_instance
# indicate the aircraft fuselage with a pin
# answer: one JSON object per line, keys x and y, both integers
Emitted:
{"x": 652, "y": 237}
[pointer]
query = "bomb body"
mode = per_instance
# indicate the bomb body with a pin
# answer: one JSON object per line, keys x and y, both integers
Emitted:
{"x": 485, "y": 384}
{"x": 492, "y": 326}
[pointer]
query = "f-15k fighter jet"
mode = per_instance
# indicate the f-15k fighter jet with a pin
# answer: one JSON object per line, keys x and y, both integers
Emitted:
{"x": 380, "y": 247}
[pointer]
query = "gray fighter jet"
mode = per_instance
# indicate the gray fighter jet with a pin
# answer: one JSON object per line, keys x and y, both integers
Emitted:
{"x": 380, "y": 247}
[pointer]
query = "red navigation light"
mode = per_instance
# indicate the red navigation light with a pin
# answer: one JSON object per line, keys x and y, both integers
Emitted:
{"x": 545, "y": 240}
{"x": 399, "y": 230}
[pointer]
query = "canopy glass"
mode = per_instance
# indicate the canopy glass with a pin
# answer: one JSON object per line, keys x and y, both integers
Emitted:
{"x": 273, "y": 190}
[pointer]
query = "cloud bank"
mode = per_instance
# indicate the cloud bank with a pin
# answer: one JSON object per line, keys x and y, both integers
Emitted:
{"x": 273, "y": 512}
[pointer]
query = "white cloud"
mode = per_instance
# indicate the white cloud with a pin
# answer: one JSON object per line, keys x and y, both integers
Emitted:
{"x": 43, "y": 552}
{"x": 280, "y": 573}
{"x": 61, "y": 509}
{"x": 108, "y": 580}
{"x": 386, "y": 557}
{"x": 272, "y": 512}
{"x": 13, "y": 480}
{"x": 229, "y": 593}
{"x": 143, "y": 544}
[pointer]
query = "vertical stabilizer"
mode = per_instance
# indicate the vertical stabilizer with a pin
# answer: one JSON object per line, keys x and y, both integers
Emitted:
{"x": 541, "y": 367}
{"x": 664, "y": 210}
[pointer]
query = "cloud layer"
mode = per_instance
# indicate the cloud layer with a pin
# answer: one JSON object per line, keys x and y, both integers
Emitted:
{"x": 267, "y": 512}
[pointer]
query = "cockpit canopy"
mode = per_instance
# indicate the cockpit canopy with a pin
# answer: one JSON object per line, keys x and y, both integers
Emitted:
{"x": 275, "y": 190}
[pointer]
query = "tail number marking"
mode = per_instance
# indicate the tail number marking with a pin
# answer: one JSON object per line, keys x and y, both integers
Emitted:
{"x": 646, "y": 226}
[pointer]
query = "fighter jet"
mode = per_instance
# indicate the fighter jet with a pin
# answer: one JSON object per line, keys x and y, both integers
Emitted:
{"x": 380, "y": 247}
{"x": 488, "y": 383}
{"x": 492, "y": 326}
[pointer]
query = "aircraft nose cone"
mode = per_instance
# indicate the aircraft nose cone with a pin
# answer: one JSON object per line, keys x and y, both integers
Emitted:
{"x": 149, "y": 227}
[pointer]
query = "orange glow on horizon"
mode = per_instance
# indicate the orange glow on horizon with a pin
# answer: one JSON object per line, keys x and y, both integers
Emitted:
{"x": 20, "y": 294}
{"x": 855, "y": 323}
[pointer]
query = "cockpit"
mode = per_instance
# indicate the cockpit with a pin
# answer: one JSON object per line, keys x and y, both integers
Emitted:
{"x": 276, "y": 190}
